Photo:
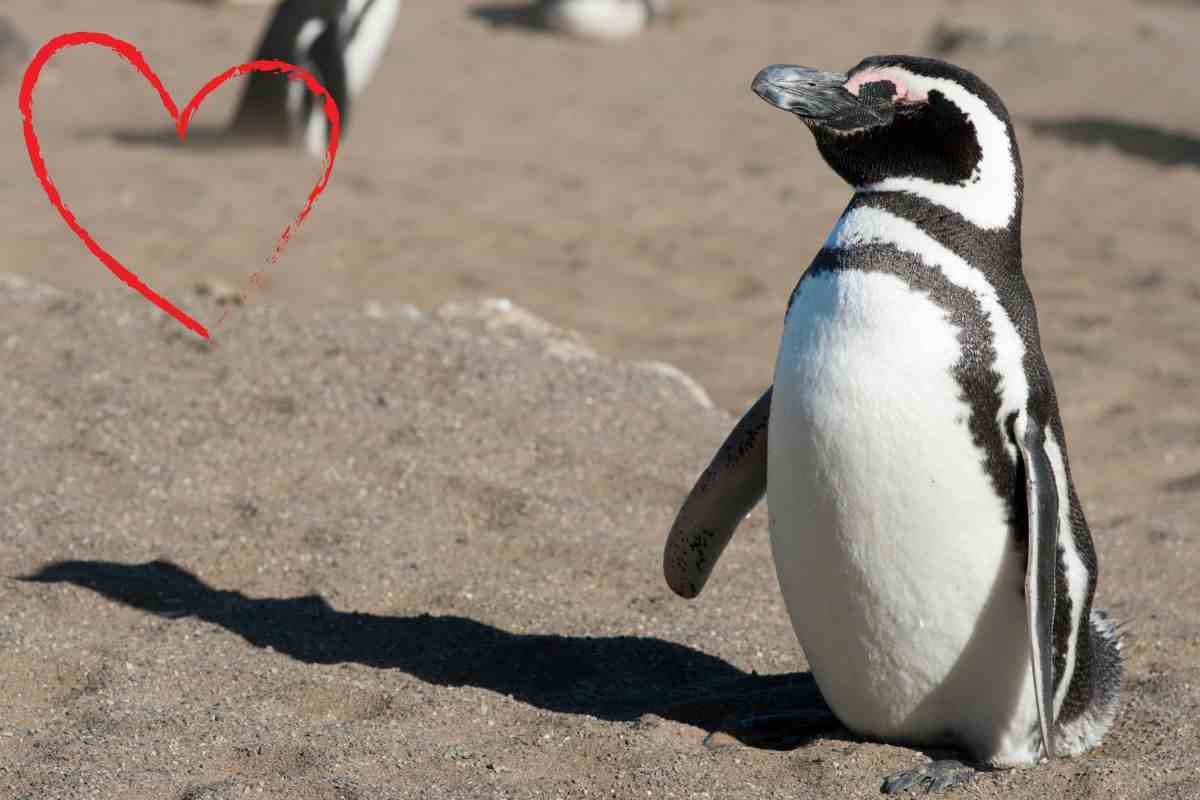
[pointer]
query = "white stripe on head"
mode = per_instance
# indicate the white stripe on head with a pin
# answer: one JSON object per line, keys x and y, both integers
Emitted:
{"x": 988, "y": 199}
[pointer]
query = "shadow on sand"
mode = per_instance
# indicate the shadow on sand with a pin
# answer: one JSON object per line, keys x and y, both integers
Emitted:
{"x": 199, "y": 138}
{"x": 614, "y": 678}
{"x": 511, "y": 15}
{"x": 1130, "y": 138}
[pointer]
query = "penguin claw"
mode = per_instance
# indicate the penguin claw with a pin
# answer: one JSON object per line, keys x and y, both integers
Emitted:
{"x": 936, "y": 776}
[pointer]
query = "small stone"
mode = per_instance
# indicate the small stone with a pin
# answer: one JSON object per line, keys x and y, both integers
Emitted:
{"x": 219, "y": 290}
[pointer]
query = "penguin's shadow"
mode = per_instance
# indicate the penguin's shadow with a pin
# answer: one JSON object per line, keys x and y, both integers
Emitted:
{"x": 527, "y": 16}
{"x": 616, "y": 678}
{"x": 199, "y": 138}
{"x": 1149, "y": 142}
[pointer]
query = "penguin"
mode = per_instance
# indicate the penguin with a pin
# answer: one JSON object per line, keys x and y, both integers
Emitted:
{"x": 601, "y": 19}
{"x": 339, "y": 41}
{"x": 927, "y": 536}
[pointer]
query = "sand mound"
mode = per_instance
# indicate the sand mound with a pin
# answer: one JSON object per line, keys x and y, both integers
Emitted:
{"x": 398, "y": 556}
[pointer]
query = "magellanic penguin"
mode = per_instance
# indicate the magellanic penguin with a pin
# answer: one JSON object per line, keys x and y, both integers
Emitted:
{"x": 928, "y": 540}
{"x": 339, "y": 41}
{"x": 602, "y": 19}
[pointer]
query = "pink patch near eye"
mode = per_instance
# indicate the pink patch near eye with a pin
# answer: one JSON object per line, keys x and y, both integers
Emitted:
{"x": 903, "y": 93}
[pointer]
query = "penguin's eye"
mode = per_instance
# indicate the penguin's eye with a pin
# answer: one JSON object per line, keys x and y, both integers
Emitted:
{"x": 880, "y": 89}
{"x": 878, "y": 93}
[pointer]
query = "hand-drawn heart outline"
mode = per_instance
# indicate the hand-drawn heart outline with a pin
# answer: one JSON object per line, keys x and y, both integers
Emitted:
{"x": 134, "y": 57}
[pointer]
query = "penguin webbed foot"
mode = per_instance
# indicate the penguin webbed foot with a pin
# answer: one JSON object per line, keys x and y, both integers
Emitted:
{"x": 935, "y": 776}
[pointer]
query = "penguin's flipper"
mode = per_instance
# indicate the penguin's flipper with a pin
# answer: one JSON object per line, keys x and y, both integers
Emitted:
{"x": 728, "y": 489}
{"x": 1041, "y": 499}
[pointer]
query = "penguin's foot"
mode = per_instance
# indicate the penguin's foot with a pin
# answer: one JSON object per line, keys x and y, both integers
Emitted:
{"x": 935, "y": 776}
{"x": 786, "y": 730}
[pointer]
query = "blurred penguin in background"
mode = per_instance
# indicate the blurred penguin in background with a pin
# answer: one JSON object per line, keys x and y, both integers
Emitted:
{"x": 340, "y": 42}
{"x": 586, "y": 19}
{"x": 602, "y": 19}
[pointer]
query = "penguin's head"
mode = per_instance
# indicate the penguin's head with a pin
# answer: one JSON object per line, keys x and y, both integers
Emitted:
{"x": 893, "y": 119}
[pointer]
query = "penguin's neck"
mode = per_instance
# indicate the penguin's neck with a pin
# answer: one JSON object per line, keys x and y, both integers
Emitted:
{"x": 998, "y": 246}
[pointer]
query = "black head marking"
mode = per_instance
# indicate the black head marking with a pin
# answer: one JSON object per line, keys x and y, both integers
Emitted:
{"x": 935, "y": 68}
{"x": 877, "y": 93}
{"x": 882, "y": 119}
{"x": 934, "y": 140}
{"x": 929, "y": 136}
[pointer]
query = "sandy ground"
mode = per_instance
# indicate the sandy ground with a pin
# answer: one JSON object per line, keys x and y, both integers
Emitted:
{"x": 339, "y": 554}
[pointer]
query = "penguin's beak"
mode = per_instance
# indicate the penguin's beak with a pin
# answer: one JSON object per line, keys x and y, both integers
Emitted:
{"x": 819, "y": 98}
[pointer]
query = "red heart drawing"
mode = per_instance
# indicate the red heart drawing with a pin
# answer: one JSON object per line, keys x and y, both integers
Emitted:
{"x": 134, "y": 57}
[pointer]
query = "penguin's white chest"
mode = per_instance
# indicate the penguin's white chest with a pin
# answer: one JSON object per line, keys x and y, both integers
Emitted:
{"x": 892, "y": 548}
{"x": 597, "y": 19}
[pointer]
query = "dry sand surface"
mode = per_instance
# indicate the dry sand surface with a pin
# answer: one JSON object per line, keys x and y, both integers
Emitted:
{"x": 354, "y": 550}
